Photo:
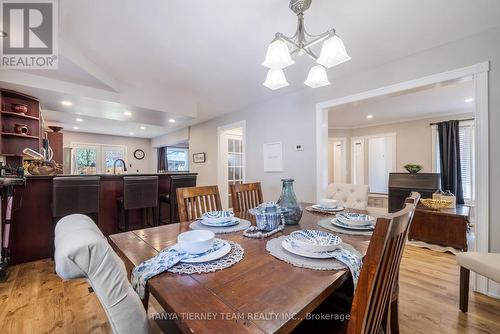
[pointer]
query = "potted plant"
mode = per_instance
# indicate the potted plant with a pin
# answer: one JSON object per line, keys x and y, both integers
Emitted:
{"x": 413, "y": 168}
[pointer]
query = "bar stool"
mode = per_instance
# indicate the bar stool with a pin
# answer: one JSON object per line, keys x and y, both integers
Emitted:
{"x": 139, "y": 192}
{"x": 176, "y": 181}
{"x": 76, "y": 195}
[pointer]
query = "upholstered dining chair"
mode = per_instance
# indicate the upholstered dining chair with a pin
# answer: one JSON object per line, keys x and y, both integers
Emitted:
{"x": 192, "y": 202}
{"x": 370, "y": 308}
{"x": 485, "y": 264}
{"x": 352, "y": 196}
{"x": 246, "y": 196}
{"x": 82, "y": 251}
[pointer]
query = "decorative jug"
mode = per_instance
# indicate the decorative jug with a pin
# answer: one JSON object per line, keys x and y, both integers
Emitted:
{"x": 291, "y": 209}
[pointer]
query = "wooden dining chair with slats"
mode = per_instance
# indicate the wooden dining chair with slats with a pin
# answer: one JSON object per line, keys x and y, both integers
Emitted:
{"x": 192, "y": 202}
{"x": 373, "y": 295}
{"x": 246, "y": 196}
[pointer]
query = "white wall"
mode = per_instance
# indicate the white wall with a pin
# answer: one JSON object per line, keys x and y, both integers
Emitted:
{"x": 146, "y": 165}
{"x": 291, "y": 118}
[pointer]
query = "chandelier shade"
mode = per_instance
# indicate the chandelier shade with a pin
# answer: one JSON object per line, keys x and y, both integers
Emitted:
{"x": 275, "y": 79}
{"x": 333, "y": 52}
{"x": 278, "y": 55}
{"x": 317, "y": 77}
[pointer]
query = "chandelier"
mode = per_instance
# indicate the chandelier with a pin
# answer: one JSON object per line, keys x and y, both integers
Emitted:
{"x": 280, "y": 51}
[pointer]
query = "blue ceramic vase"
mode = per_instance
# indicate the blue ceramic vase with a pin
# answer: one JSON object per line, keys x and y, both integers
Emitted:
{"x": 288, "y": 202}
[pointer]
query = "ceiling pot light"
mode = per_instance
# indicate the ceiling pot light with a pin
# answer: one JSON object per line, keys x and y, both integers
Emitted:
{"x": 278, "y": 55}
{"x": 317, "y": 77}
{"x": 469, "y": 100}
{"x": 369, "y": 116}
{"x": 171, "y": 120}
{"x": 131, "y": 133}
{"x": 127, "y": 113}
{"x": 143, "y": 128}
{"x": 275, "y": 79}
{"x": 75, "y": 128}
{"x": 79, "y": 119}
{"x": 282, "y": 48}
{"x": 67, "y": 103}
{"x": 333, "y": 52}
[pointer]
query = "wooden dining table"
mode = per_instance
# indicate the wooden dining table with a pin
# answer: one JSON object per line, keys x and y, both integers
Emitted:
{"x": 259, "y": 294}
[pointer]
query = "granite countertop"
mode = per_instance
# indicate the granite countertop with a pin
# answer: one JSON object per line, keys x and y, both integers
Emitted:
{"x": 108, "y": 176}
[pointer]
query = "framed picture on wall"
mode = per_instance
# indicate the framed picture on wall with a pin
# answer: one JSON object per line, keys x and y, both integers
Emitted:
{"x": 199, "y": 157}
{"x": 273, "y": 157}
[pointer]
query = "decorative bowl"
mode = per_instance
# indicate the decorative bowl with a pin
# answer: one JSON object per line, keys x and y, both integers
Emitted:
{"x": 217, "y": 217}
{"x": 21, "y": 129}
{"x": 355, "y": 219}
{"x": 436, "y": 204}
{"x": 315, "y": 241}
{"x": 268, "y": 216}
{"x": 196, "y": 242}
{"x": 19, "y": 108}
{"x": 328, "y": 203}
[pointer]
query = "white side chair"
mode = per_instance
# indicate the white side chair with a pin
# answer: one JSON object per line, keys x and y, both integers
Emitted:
{"x": 352, "y": 196}
{"x": 485, "y": 264}
{"x": 81, "y": 250}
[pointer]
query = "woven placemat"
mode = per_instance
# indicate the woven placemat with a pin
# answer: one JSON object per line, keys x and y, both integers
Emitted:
{"x": 326, "y": 223}
{"x": 275, "y": 249}
{"x": 234, "y": 256}
{"x": 243, "y": 225}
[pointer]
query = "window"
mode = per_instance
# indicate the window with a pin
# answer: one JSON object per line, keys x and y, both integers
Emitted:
{"x": 234, "y": 163}
{"x": 96, "y": 158}
{"x": 177, "y": 159}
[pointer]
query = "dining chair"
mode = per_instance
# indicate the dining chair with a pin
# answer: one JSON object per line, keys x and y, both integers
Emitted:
{"x": 192, "y": 202}
{"x": 82, "y": 251}
{"x": 246, "y": 196}
{"x": 170, "y": 198}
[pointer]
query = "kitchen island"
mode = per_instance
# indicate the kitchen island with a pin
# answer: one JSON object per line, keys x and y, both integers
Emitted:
{"x": 32, "y": 222}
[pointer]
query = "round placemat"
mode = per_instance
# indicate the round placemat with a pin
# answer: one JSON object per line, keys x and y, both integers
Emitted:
{"x": 243, "y": 225}
{"x": 275, "y": 249}
{"x": 326, "y": 223}
{"x": 235, "y": 255}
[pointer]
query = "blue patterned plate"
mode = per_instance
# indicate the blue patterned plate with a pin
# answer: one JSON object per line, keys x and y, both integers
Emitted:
{"x": 218, "y": 249}
{"x": 217, "y": 216}
{"x": 319, "y": 208}
{"x": 292, "y": 247}
{"x": 229, "y": 222}
{"x": 315, "y": 241}
{"x": 355, "y": 219}
{"x": 341, "y": 224}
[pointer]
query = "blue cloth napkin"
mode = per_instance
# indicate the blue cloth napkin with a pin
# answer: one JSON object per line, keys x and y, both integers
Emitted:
{"x": 166, "y": 259}
{"x": 351, "y": 260}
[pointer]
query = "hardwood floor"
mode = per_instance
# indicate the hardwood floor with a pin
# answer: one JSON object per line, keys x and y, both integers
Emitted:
{"x": 35, "y": 300}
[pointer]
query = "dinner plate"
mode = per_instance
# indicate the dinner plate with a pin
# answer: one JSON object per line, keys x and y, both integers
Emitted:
{"x": 315, "y": 241}
{"x": 220, "y": 248}
{"x": 291, "y": 247}
{"x": 358, "y": 219}
{"x": 320, "y": 208}
{"x": 230, "y": 222}
{"x": 341, "y": 224}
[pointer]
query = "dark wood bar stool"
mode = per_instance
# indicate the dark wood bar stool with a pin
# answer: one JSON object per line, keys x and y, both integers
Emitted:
{"x": 170, "y": 199}
{"x": 76, "y": 195}
{"x": 139, "y": 192}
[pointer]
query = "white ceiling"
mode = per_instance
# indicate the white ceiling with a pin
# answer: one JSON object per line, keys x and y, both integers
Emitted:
{"x": 199, "y": 59}
{"x": 425, "y": 102}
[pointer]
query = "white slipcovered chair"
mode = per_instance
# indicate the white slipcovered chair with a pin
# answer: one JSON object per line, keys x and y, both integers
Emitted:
{"x": 353, "y": 196}
{"x": 485, "y": 264}
{"x": 81, "y": 250}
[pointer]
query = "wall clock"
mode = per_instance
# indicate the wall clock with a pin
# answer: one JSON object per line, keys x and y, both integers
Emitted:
{"x": 139, "y": 154}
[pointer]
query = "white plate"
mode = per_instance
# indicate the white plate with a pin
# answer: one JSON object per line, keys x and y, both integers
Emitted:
{"x": 289, "y": 246}
{"x": 211, "y": 254}
{"x": 322, "y": 209}
{"x": 340, "y": 224}
{"x": 231, "y": 222}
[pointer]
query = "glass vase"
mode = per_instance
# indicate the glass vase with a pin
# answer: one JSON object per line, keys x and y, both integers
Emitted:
{"x": 288, "y": 202}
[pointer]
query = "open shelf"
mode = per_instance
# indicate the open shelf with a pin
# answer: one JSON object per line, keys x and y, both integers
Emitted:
{"x": 14, "y": 114}
{"x": 19, "y": 135}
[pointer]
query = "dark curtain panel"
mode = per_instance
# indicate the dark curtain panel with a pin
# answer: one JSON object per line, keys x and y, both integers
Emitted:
{"x": 449, "y": 150}
{"x": 162, "y": 158}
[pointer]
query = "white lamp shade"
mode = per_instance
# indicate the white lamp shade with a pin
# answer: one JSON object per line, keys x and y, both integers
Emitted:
{"x": 275, "y": 79}
{"x": 333, "y": 52}
{"x": 278, "y": 55}
{"x": 317, "y": 77}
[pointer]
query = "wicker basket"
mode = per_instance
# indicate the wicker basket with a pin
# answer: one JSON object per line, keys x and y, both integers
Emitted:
{"x": 436, "y": 204}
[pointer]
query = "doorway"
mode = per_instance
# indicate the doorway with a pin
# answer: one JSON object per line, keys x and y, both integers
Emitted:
{"x": 231, "y": 159}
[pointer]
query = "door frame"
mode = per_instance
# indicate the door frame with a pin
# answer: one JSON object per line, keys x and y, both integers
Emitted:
{"x": 479, "y": 74}
{"x": 221, "y": 179}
